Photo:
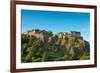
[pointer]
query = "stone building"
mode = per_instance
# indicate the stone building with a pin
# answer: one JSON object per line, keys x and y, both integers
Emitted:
{"x": 76, "y": 34}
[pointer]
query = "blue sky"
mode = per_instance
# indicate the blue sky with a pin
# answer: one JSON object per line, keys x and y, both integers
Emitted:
{"x": 56, "y": 21}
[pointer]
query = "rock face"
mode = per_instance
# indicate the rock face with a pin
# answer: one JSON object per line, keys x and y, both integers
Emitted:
{"x": 72, "y": 43}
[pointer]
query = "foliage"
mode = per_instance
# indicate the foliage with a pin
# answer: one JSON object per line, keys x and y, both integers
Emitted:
{"x": 85, "y": 57}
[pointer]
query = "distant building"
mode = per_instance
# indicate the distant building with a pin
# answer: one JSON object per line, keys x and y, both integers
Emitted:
{"x": 42, "y": 34}
{"x": 75, "y": 33}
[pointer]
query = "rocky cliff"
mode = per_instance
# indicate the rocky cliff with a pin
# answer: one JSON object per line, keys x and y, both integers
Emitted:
{"x": 71, "y": 43}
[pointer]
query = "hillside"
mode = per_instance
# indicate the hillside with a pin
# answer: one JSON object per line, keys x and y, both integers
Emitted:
{"x": 40, "y": 45}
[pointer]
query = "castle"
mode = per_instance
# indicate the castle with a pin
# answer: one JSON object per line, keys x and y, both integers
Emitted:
{"x": 42, "y": 33}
